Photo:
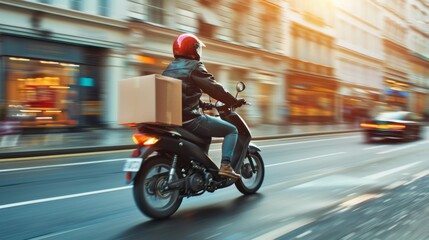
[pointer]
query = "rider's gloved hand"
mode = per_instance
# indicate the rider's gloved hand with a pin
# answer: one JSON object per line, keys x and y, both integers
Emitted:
{"x": 240, "y": 102}
{"x": 206, "y": 105}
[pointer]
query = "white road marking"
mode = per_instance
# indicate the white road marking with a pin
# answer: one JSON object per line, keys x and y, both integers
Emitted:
{"x": 116, "y": 189}
{"x": 304, "y": 234}
{"x": 64, "y": 155}
{"x": 61, "y": 165}
{"x": 358, "y": 200}
{"x": 390, "y": 171}
{"x": 300, "y": 223}
{"x": 224, "y": 226}
{"x": 306, "y": 137}
{"x": 404, "y": 147}
{"x": 123, "y": 159}
{"x": 285, "y": 229}
{"x": 56, "y": 234}
{"x": 375, "y": 147}
{"x": 214, "y": 235}
{"x": 421, "y": 174}
{"x": 310, "y": 141}
{"x": 293, "y": 143}
{"x": 18, "y": 204}
{"x": 304, "y": 159}
{"x": 397, "y": 149}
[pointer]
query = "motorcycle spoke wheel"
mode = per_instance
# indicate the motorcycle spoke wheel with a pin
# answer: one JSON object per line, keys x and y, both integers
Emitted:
{"x": 251, "y": 179}
{"x": 150, "y": 192}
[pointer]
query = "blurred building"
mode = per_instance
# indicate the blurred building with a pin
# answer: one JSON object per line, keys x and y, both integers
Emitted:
{"x": 418, "y": 58}
{"x": 301, "y": 60}
{"x": 58, "y": 58}
{"x": 245, "y": 41}
{"x": 311, "y": 82}
{"x": 359, "y": 59}
{"x": 396, "y": 65}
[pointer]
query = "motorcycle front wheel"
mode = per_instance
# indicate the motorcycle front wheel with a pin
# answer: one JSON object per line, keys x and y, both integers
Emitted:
{"x": 251, "y": 178}
{"x": 149, "y": 189}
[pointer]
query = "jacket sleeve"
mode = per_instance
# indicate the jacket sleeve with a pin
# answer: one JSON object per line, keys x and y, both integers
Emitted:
{"x": 208, "y": 84}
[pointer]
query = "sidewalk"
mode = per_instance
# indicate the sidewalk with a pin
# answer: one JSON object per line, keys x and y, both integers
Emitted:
{"x": 107, "y": 139}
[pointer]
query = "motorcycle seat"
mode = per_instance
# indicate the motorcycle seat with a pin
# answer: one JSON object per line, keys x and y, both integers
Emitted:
{"x": 199, "y": 140}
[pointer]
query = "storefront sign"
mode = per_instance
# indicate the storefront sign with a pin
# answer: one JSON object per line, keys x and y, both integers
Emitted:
{"x": 86, "y": 82}
{"x": 31, "y": 48}
{"x": 397, "y": 93}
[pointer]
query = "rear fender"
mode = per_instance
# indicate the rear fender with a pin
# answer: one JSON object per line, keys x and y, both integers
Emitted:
{"x": 170, "y": 146}
{"x": 145, "y": 152}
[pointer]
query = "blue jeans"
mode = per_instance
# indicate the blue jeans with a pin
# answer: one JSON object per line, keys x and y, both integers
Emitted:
{"x": 208, "y": 126}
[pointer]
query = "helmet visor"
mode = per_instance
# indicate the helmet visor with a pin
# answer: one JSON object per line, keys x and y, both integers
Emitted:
{"x": 200, "y": 49}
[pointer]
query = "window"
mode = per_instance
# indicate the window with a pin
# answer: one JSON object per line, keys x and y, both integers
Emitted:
{"x": 41, "y": 92}
{"x": 103, "y": 6}
{"x": 270, "y": 17}
{"x": 76, "y": 5}
{"x": 45, "y": 1}
{"x": 156, "y": 11}
{"x": 240, "y": 20}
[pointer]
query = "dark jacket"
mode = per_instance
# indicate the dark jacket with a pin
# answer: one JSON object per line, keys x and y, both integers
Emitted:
{"x": 195, "y": 81}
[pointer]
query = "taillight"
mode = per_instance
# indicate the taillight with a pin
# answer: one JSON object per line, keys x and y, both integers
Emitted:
{"x": 136, "y": 153}
{"x": 141, "y": 139}
{"x": 368, "y": 125}
{"x": 396, "y": 126}
{"x": 383, "y": 126}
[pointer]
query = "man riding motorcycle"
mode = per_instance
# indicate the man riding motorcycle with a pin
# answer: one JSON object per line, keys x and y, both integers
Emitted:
{"x": 187, "y": 50}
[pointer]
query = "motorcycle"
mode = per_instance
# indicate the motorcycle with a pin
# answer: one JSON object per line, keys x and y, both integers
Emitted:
{"x": 171, "y": 163}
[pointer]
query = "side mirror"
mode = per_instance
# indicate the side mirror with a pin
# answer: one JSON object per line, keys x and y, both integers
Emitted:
{"x": 240, "y": 86}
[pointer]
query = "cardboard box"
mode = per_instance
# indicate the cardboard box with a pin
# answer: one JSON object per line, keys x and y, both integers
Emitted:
{"x": 150, "y": 99}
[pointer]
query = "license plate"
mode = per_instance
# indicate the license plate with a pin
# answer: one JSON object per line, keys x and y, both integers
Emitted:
{"x": 132, "y": 164}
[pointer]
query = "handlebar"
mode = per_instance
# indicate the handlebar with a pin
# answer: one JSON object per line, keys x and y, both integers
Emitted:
{"x": 219, "y": 106}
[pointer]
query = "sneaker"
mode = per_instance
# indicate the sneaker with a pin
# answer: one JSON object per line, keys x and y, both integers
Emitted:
{"x": 227, "y": 171}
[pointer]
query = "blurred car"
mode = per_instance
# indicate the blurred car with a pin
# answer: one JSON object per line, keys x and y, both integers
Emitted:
{"x": 402, "y": 125}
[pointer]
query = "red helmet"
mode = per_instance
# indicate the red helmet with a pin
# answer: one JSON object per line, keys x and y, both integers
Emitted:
{"x": 188, "y": 45}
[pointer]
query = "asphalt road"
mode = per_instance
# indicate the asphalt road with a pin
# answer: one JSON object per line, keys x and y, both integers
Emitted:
{"x": 399, "y": 214}
{"x": 307, "y": 179}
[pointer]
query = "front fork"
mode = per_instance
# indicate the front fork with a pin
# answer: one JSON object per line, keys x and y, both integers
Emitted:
{"x": 252, "y": 166}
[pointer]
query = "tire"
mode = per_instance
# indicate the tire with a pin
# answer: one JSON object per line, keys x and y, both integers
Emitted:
{"x": 418, "y": 135}
{"x": 148, "y": 193}
{"x": 250, "y": 182}
{"x": 409, "y": 136}
{"x": 368, "y": 138}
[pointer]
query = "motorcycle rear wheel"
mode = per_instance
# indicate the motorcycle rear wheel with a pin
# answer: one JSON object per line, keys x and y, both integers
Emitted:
{"x": 250, "y": 181}
{"x": 149, "y": 194}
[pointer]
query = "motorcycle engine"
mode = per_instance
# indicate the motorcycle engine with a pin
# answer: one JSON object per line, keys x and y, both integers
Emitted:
{"x": 196, "y": 182}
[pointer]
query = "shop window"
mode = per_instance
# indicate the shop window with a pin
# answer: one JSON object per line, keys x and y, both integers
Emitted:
{"x": 270, "y": 19}
{"x": 41, "y": 93}
{"x": 206, "y": 30}
{"x": 103, "y": 7}
{"x": 156, "y": 11}
{"x": 208, "y": 21}
{"x": 46, "y": 1}
{"x": 76, "y": 5}
{"x": 240, "y": 20}
{"x": 311, "y": 105}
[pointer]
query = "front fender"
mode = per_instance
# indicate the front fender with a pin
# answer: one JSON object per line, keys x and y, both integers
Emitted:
{"x": 253, "y": 148}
